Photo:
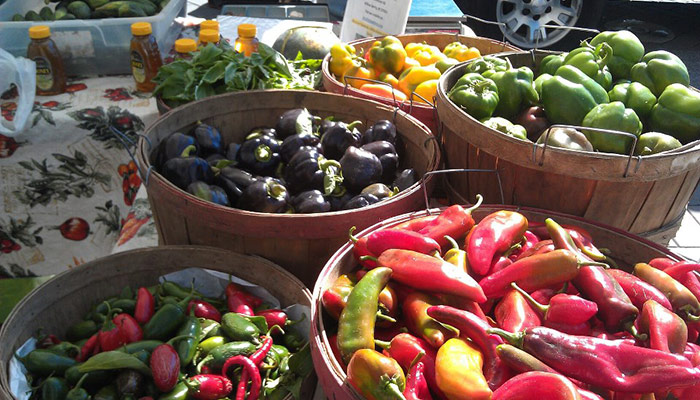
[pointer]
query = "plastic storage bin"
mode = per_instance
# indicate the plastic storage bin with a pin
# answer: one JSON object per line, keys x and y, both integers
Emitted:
{"x": 88, "y": 46}
{"x": 311, "y": 12}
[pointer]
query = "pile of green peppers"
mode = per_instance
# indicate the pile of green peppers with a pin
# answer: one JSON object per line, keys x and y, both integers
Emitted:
{"x": 608, "y": 83}
{"x": 169, "y": 342}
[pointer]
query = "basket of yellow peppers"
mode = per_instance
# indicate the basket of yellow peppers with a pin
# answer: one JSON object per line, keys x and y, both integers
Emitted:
{"x": 402, "y": 70}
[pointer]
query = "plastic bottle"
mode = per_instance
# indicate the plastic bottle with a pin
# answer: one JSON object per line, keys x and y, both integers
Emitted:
{"x": 50, "y": 73}
{"x": 145, "y": 56}
{"x": 246, "y": 42}
{"x": 183, "y": 48}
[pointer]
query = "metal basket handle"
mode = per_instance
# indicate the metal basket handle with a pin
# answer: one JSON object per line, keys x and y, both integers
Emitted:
{"x": 580, "y": 128}
{"x": 447, "y": 171}
{"x": 128, "y": 143}
{"x": 396, "y": 103}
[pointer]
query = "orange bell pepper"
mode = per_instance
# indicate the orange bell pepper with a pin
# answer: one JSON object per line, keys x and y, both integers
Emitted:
{"x": 427, "y": 90}
{"x": 458, "y": 371}
{"x": 383, "y": 91}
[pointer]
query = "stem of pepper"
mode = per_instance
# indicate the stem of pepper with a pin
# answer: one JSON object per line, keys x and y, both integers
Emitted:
{"x": 479, "y": 200}
{"x": 371, "y": 258}
{"x": 416, "y": 359}
{"x": 629, "y": 327}
{"x": 452, "y": 242}
{"x": 516, "y": 339}
{"x": 391, "y": 387}
{"x": 382, "y": 344}
{"x": 534, "y": 303}
{"x": 187, "y": 150}
{"x": 350, "y": 234}
{"x": 385, "y": 317}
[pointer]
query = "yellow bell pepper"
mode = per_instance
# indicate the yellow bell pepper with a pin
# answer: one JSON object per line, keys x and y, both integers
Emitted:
{"x": 359, "y": 70}
{"x": 342, "y": 59}
{"x": 410, "y": 63}
{"x": 388, "y": 78}
{"x": 411, "y": 78}
{"x": 427, "y": 90}
{"x": 461, "y": 52}
{"x": 458, "y": 372}
{"x": 424, "y": 53}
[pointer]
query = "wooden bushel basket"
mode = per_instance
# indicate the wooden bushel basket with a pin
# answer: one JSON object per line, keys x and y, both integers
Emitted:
{"x": 627, "y": 249}
{"x": 644, "y": 195}
{"x": 63, "y": 300}
{"x": 301, "y": 243}
{"x": 424, "y": 113}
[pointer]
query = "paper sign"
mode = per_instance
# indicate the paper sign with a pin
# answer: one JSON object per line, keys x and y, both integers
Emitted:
{"x": 367, "y": 18}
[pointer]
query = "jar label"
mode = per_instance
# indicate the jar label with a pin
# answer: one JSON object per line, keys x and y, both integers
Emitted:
{"x": 137, "y": 67}
{"x": 44, "y": 73}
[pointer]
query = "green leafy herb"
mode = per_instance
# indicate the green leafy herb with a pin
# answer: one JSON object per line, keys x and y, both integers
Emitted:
{"x": 114, "y": 360}
{"x": 214, "y": 70}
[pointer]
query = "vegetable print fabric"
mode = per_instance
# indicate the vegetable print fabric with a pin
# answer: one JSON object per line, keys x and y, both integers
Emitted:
{"x": 67, "y": 185}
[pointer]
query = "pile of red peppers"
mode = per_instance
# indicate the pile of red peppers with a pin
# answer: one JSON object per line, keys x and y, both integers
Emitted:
{"x": 444, "y": 308}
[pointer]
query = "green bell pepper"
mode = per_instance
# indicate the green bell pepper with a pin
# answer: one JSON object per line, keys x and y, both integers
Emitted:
{"x": 655, "y": 142}
{"x": 677, "y": 113}
{"x": 592, "y": 62}
{"x": 565, "y": 138}
{"x": 476, "y": 95}
{"x": 388, "y": 55}
{"x": 635, "y": 96}
{"x": 486, "y": 63}
{"x": 627, "y": 51}
{"x": 612, "y": 116}
{"x": 551, "y": 63}
{"x": 445, "y": 64}
{"x": 659, "y": 69}
{"x": 538, "y": 83}
{"x": 504, "y": 126}
{"x": 515, "y": 89}
{"x": 569, "y": 95}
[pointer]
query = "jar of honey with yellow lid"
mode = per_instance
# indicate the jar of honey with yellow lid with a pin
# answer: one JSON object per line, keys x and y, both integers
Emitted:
{"x": 50, "y": 73}
{"x": 145, "y": 56}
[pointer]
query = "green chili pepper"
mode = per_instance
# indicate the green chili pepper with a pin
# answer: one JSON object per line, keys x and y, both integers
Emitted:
{"x": 78, "y": 393}
{"x": 237, "y": 327}
{"x": 218, "y": 356}
{"x": 187, "y": 347}
{"x": 173, "y": 289}
{"x": 44, "y": 363}
{"x": 356, "y": 323}
{"x": 108, "y": 392}
{"x": 54, "y": 388}
{"x": 93, "y": 378}
{"x": 148, "y": 345}
{"x": 81, "y": 330}
{"x": 126, "y": 305}
{"x": 67, "y": 349}
{"x": 179, "y": 392}
{"x": 209, "y": 344}
{"x": 127, "y": 293}
{"x": 165, "y": 321}
{"x": 293, "y": 340}
{"x": 143, "y": 356}
{"x": 210, "y": 328}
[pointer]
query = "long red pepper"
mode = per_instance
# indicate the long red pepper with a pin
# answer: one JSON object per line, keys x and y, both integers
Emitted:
{"x": 661, "y": 263}
{"x": 420, "y": 324}
{"x": 237, "y": 303}
{"x": 360, "y": 250}
{"x": 455, "y": 221}
{"x": 249, "y": 298}
{"x": 537, "y": 385}
{"x": 428, "y": 273}
{"x": 604, "y": 363}
{"x": 463, "y": 304}
{"x": 416, "y": 383}
{"x": 614, "y": 307}
{"x": 682, "y": 299}
{"x": 544, "y": 246}
{"x": 513, "y": 313}
{"x": 529, "y": 241}
{"x": 254, "y": 373}
{"x": 520, "y": 361}
{"x": 404, "y": 348}
{"x": 203, "y": 309}
{"x": 535, "y": 272}
{"x": 561, "y": 238}
{"x": 145, "y": 306}
{"x": 494, "y": 235}
{"x": 416, "y": 224}
{"x": 637, "y": 290}
{"x": 385, "y": 239}
{"x": 666, "y": 330}
{"x": 679, "y": 269}
{"x": 562, "y": 308}
{"x": 89, "y": 348}
{"x": 474, "y": 328}
{"x": 256, "y": 358}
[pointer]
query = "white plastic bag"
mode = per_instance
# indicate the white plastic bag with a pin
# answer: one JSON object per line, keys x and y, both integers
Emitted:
{"x": 21, "y": 72}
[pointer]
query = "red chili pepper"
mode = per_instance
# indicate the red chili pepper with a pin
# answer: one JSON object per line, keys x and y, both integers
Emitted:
{"x": 420, "y": 324}
{"x": 110, "y": 336}
{"x": 544, "y": 295}
{"x": 608, "y": 364}
{"x": 416, "y": 224}
{"x": 360, "y": 250}
{"x": 385, "y": 239}
{"x": 494, "y": 235}
{"x": 432, "y": 274}
{"x": 203, "y": 309}
{"x": 208, "y": 387}
{"x": 128, "y": 328}
{"x": 562, "y": 308}
{"x": 520, "y": 361}
{"x": 273, "y": 317}
{"x": 542, "y": 247}
{"x": 455, "y": 221}
{"x": 88, "y": 348}
{"x": 333, "y": 342}
{"x": 529, "y": 241}
{"x": 582, "y": 329}
{"x": 681, "y": 298}
{"x": 690, "y": 281}
{"x": 404, "y": 348}
{"x": 253, "y": 373}
{"x": 561, "y": 238}
{"x": 145, "y": 306}
{"x": 416, "y": 383}
{"x": 472, "y": 327}
{"x": 165, "y": 367}
{"x": 335, "y": 297}
{"x": 537, "y": 385}
{"x": 46, "y": 341}
{"x": 614, "y": 307}
{"x": 692, "y": 353}
{"x": 587, "y": 395}
{"x": 513, "y": 313}
{"x": 679, "y": 269}
{"x": 637, "y": 290}
{"x": 534, "y": 272}
{"x": 499, "y": 263}
{"x": 662, "y": 263}
{"x": 256, "y": 358}
{"x": 466, "y": 305}
{"x": 251, "y": 299}
{"x": 237, "y": 303}
{"x": 666, "y": 330}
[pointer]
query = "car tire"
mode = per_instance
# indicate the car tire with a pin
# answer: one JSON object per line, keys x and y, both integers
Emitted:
{"x": 588, "y": 17}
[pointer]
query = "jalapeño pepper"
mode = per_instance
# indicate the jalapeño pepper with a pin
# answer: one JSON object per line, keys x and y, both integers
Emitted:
{"x": 44, "y": 363}
{"x": 187, "y": 346}
{"x": 217, "y": 357}
{"x": 166, "y": 320}
{"x": 237, "y": 327}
